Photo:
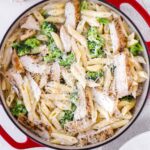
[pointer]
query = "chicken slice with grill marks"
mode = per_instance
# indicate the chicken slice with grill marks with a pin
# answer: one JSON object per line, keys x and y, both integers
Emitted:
{"x": 90, "y": 104}
{"x": 72, "y": 13}
{"x": 55, "y": 72}
{"x": 33, "y": 66}
{"x": 31, "y": 24}
{"x": 81, "y": 111}
{"x": 92, "y": 136}
{"x": 79, "y": 73}
{"x": 121, "y": 75}
{"x": 66, "y": 39}
{"x": 118, "y": 35}
{"x": 104, "y": 100}
{"x": 17, "y": 63}
{"x": 77, "y": 126}
{"x": 40, "y": 129}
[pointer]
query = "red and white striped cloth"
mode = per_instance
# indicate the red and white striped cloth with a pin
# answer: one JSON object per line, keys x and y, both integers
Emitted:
{"x": 139, "y": 12}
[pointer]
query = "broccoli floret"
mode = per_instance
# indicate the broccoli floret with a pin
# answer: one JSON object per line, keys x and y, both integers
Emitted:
{"x": 67, "y": 61}
{"x": 18, "y": 109}
{"x": 32, "y": 42}
{"x": 95, "y": 43}
{"x": 47, "y": 28}
{"x": 84, "y": 5}
{"x": 53, "y": 55}
{"x": 136, "y": 49}
{"x": 21, "y": 48}
{"x": 104, "y": 21}
{"x": 92, "y": 34}
{"x": 95, "y": 49}
{"x": 25, "y": 47}
{"x": 127, "y": 98}
{"x": 68, "y": 115}
{"x": 94, "y": 75}
{"x": 51, "y": 44}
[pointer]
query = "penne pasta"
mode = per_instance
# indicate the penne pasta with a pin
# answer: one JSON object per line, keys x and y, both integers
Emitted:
{"x": 56, "y": 12}
{"x": 96, "y": 13}
{"x": 119, "y": 124}
{"x": 77, "y": 36}
{"x": 55, "y": 19}
{"x": 64, "y": 139}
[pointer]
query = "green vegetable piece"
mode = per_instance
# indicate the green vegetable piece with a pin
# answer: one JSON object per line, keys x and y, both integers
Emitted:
{"x": 95, "y": 49}
{"x": 67, "y": 61}
{"x": 54, "y": 55}
{"x": 136, "y": 49}
{"x": 18, "y": 109}
{"x": 32, "y": 42}
{"x": 68, "y": 115}
{"x": 104, "y": 21}
{"x": 26, "y": 47}
{"x": 94, "y": 75}
{"x": 127, "y": 98}
{"x": 95, "y": 43}
{"x": 84, "y": 5}
{"x": 92, "y": 34}
{"x": 21, "y": 48}
{"x": 47, "y": 28}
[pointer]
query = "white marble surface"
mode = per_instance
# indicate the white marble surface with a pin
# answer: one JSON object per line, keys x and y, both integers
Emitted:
{"x": 8, "y": 12}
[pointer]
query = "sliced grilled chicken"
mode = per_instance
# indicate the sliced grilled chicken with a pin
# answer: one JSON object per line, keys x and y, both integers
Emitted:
{"x": 78, "y": 125}
{"x": 77, "y": 9}
{"x": 81, "y": 111}
{"x": 41, "y": 129}
{"x": 55, "y": 72}
{"x": 118, "y": 36}
{"x": 5, "y": 57}
{"x": 27, "y": 34}
{"x": 14, "y": 78}
{"x": 31, "y": 24}
{"x": 32, "y": 66}
{"x": 17, "y": 63}
{"x": 92, "y": 136}
{"x": 104, "y": 100}
{"x": 66, "y": 39}
{"x": 121, "y": 75}
{"x": 79, "y": 73}
{"x": 70, "y": 14}
{"x": 22, "y": 86}
{"x": 68, "y": 77}
{"x": 90, "y": 104}
{"x": 35, "y": 88}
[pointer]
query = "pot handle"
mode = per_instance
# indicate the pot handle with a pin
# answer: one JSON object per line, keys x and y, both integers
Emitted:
{"x": 28, "y": 144}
